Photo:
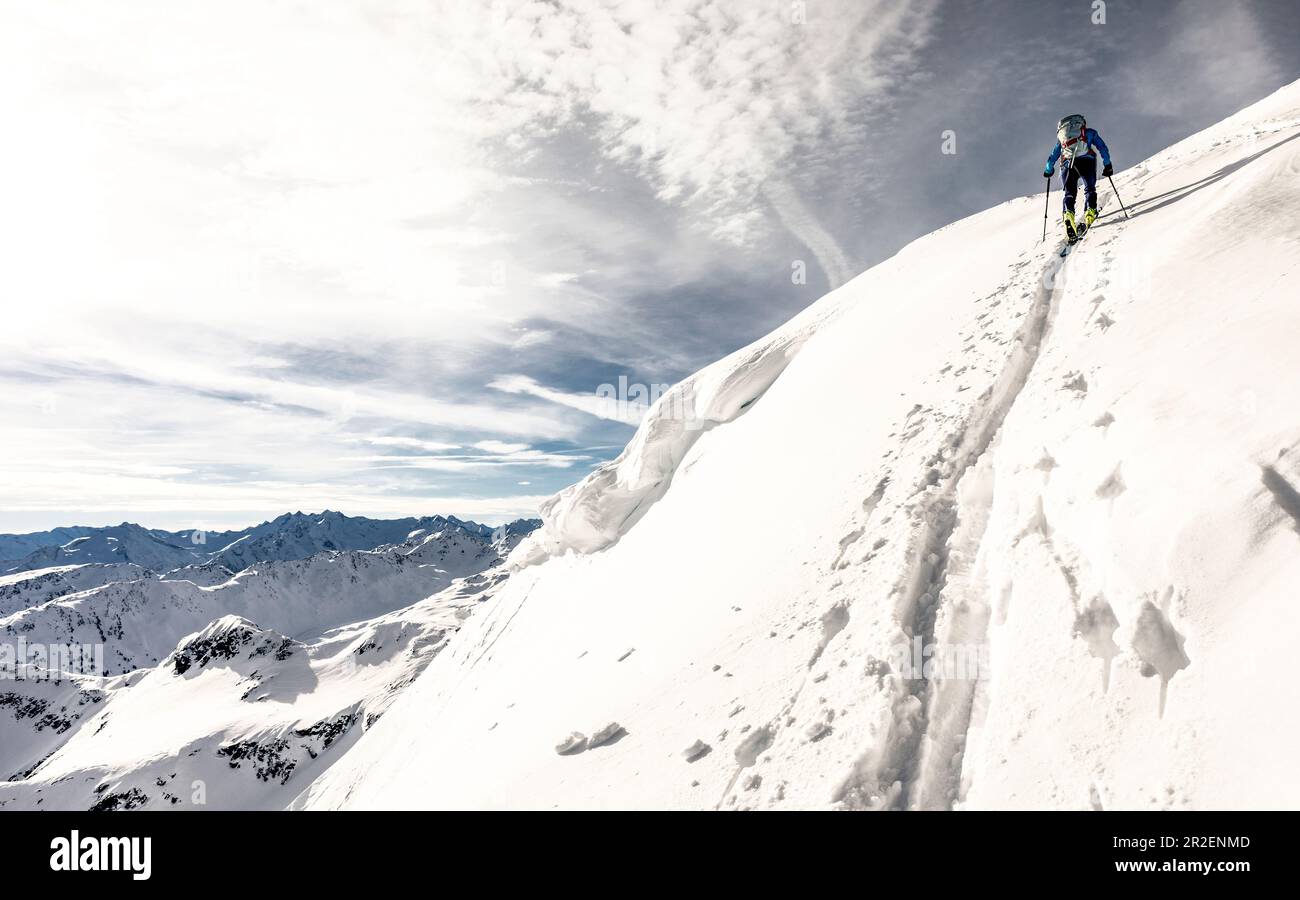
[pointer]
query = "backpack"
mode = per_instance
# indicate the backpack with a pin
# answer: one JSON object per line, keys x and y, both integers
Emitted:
{"x": 1072, "y": 134}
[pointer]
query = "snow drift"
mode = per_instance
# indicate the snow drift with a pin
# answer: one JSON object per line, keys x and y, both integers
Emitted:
{"x": 1006, "y": 531}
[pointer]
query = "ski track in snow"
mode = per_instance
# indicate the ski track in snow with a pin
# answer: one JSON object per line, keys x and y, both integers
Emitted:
{"x": 922, "y": 751}
{"x": 925, "y": 746}
{"x": 920, "y": 765}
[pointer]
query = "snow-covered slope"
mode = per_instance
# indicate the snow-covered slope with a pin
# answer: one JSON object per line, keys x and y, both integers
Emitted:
{"x": 26, "y": 589}
{"x": 125, "y": 543}
{"x": 233, "y": 695}
{"x": 39, "y": 715}
{"x": 237, "y": 716}
{"x": 1079, "y": 480}
{"x": 16, "y": 546}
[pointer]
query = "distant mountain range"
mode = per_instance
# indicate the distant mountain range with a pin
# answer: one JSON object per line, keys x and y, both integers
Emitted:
{"x": 290, "y": 536}
{"x": 261, "y": 653}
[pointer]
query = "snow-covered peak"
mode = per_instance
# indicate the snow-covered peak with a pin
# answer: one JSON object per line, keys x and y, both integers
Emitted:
{"x": 125, "y": 543}
{"x": 226, "y": 639}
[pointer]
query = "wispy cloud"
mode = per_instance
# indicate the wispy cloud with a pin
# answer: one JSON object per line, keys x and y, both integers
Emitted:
{"x": 409, "y": 443}
{"x": 601, "y": 406}
{"x": 1213, "y": 54}
{"x": 252, "y": 240}
{"x": 709, "y": 100}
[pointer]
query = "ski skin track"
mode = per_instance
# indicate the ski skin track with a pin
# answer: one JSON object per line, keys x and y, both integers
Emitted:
{"x": 899, "y": 777}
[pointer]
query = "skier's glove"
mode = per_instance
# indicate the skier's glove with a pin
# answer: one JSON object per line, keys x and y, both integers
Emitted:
{"x": 1047, "y": 173}
{"x": 1107, "y": 171}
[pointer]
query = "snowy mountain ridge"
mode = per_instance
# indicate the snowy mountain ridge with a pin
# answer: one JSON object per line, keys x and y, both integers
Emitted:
{"x": 141, "y": 620}
{"x": 265, "y": 673}
{"x": 289, "y": 536}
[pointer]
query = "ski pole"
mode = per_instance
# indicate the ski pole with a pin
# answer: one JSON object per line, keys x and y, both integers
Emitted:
{"x": 1121, "y": 202}
{"x": 1047, "y": 199}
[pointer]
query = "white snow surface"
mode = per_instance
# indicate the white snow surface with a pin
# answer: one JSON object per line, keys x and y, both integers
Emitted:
{"x": 1088, "y": 471}
{"x": 236, "y": 717}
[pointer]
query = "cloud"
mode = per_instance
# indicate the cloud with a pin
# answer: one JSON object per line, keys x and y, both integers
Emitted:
{"x": 247, "y": 239}
{"x": 500, "y": 447}
{"x": 531, "y": 339}
{"x": 467, "y": 463}
{"x": 410, "y": 443}
{"x": 708, "y": 100}
{"x": 604, "y": 405}
{"x": 1213, "y": 54}
{"x": 796, "y": 216}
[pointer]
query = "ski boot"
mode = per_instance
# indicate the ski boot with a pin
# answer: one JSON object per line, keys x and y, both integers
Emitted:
{"x": 1071, "y": 234}
{"x": 1089, "y": 216}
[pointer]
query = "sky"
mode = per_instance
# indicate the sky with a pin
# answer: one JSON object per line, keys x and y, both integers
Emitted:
{"x": 384, "y": 257}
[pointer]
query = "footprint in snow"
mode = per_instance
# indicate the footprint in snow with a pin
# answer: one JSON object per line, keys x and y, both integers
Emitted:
{"x": 572, "y": 745}
{"x": 695, "y": 751}
{"x": 1159, "y": 645}
{"x": 606, "y": 736}
{"x": 1113, "y": 486}
{"x": 752, "y": 746}
{"x": 1046, "y": 463}
{"x": 1097, "y": 625}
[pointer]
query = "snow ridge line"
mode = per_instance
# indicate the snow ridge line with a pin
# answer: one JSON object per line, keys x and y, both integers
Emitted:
{"x": 892, "y": 777}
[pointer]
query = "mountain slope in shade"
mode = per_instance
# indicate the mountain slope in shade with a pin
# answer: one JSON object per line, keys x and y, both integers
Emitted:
{"x": 290, "y": 536}
{"x": 298, "y": 535}
{"x": 125, "y": 543}
{"x": 16, "y": 546}
{"x": 1070, "y": 485}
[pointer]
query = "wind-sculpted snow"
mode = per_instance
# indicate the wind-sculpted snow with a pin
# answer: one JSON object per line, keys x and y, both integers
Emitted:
{"x": 1007, "y": 531}
{"x": 594, "y": 513}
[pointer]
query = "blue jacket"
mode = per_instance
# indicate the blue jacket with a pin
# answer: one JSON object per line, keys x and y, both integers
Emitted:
{"x": 1094, "y": 140}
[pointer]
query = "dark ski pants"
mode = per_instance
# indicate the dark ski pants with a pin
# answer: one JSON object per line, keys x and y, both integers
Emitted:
{"x": 1085, "y": 166}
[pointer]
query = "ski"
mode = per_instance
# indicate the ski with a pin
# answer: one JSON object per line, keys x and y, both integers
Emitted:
{"x": 1078, "y": 236}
